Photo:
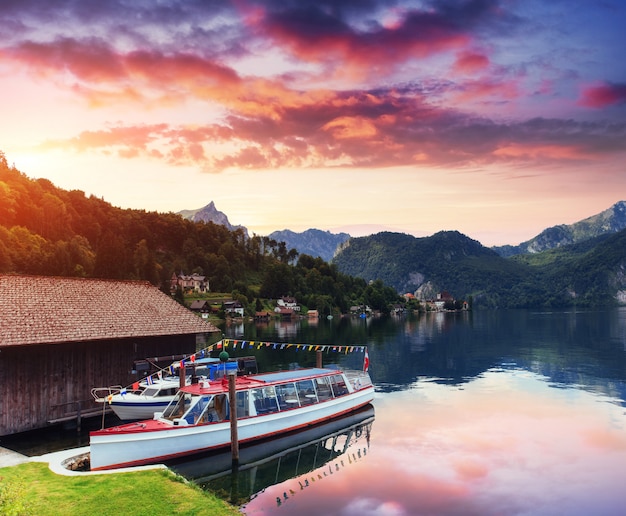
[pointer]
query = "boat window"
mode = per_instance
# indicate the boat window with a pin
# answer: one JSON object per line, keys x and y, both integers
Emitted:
{"x": 306, "y": 392}
{"x": 287, "y": 397}
{"x": 220, "y": 405}
{"x": 196, "y": 412}
{"x": 323, "y": 388}
{"x": 243, "y": 408}
{"x": 151, "y": 391}
{"x": 264, "y": 400}
{"x": 208, "y": 414}
{"x": 339, "y": 385}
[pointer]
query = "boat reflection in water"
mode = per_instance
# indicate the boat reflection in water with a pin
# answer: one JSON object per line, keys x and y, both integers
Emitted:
{"x": 293, "y": 457}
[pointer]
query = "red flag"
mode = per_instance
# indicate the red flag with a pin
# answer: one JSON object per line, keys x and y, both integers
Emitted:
{"x": 192, "y": 358}
{"x": 366, "y": 361}
{"x": 136, "y": 386}
{"x": 219, "y": 345}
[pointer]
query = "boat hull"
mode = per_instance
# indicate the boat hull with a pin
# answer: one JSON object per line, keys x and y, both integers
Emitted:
{"x": 131, "y": 410}
{"x": 134, "y": 444}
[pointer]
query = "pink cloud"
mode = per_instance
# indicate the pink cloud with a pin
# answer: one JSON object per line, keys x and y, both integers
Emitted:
{"x": 484, "y": 88}
{"x": 537, "y": 151}
{"x": 602, "y": 95}
{"x": 470, "y": 62}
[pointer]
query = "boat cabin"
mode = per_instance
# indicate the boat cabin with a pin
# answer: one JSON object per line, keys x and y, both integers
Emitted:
{"x": 207, "y": 402}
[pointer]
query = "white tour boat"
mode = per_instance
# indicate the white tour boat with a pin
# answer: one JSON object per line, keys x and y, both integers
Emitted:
{"x": 198, "y": 419}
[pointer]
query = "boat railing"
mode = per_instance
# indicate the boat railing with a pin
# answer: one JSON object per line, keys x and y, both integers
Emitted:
{"x": 101, "y": 394}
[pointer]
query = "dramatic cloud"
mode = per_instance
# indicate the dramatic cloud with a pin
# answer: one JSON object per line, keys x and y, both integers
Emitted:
{"x": 355, "y": 85}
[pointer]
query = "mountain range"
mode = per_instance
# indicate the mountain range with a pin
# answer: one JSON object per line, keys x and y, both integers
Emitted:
{"x": 609, "y": 221}
{"x": 583, "y": 263}
{"x": 47, "y": 230}
{"x": 326, "y": 245}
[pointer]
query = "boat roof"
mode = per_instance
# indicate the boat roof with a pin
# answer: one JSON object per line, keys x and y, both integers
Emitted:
{"x": 258, "y": 380}
{"x": 295, "y": 374}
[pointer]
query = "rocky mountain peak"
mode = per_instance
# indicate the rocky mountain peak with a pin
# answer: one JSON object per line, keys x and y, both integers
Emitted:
{"x": 210, "y": 213}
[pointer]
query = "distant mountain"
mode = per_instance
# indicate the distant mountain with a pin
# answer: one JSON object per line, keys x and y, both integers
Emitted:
{"x": 607, "y": 222}
{"x": 586, "y": 274}
{"x": 407, "y": 263}
{"x": 314, "y": 242}
{"x": 210, "y": 214}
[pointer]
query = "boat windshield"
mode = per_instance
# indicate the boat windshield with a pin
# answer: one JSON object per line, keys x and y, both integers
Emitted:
{"x": 150, "y": 392}
{"x": 197, "y": 409}
{"x": 177, "y": 406}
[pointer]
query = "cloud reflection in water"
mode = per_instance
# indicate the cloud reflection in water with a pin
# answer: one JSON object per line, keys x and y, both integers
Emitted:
{"x": 507, "y": 443}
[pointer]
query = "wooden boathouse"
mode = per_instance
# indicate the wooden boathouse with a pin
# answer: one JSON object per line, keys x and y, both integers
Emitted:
{"x": 61, "y": 337}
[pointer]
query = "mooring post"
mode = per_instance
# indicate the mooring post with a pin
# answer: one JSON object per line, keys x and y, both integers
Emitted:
{"x": 78, "y": 417}
{"x": 232, "y": 400}
{"x": 182, "y": 378}
{"x": 318, "y": 359}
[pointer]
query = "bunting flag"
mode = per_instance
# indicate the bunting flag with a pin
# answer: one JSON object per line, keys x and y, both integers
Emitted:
{"x": 243, "y": 344}
{"x": 224, "y": 343}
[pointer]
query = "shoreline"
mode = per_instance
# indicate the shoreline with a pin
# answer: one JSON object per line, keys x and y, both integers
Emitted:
{"x": 57, "y": 460}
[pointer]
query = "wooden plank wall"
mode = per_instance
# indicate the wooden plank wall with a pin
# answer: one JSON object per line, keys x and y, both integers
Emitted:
{"x": 43, "y": 383}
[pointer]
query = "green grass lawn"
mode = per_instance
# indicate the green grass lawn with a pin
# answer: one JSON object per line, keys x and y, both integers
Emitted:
{"x": 32, "y": 489}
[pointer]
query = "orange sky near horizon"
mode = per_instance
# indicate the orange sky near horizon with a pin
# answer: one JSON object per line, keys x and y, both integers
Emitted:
{"x": 494, "y": 118}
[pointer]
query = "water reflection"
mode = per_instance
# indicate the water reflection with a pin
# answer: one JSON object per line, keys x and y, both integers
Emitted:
{"x": 291, "y": 464}
{"x": 506, "y": 443}
{"x": 486, "y": 413}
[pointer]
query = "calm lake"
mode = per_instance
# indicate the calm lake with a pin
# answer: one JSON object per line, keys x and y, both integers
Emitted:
{"x": 504, "y": 412}
{"x": 477, "y": 413}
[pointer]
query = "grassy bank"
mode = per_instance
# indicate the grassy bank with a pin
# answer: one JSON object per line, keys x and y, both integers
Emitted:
{"x": 32, "y": 489}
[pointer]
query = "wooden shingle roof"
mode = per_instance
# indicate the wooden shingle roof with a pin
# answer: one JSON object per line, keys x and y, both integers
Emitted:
{"x": 46, "y": 310}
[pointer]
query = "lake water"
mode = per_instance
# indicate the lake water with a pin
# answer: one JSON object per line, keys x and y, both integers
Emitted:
{"x": 486, "y": 413}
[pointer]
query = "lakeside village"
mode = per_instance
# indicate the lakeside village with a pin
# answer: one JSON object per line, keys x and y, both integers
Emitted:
{"x": 193, "y": 291}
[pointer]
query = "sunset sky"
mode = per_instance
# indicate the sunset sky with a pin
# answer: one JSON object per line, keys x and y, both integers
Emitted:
{"x": 496, "y": 118}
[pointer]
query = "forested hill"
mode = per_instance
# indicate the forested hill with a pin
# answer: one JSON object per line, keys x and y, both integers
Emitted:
{"x": 593, "y": 273}
{"x": 50, "y": 231}
{"x": 45, "y": 230}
